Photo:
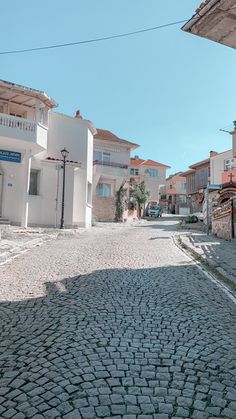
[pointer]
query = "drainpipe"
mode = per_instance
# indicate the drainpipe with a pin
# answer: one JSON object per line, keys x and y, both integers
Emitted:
{"x": 26, "y": 184}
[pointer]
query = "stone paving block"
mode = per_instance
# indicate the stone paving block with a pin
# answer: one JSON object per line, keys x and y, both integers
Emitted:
{"x": 228, "y": 413}
{"x": 88, "y": 412}
{"x": 102, "y": 411}
{"x": 75, "y": 414}
{"x": 126, "y": 341}
{"x": 9, "y": 413}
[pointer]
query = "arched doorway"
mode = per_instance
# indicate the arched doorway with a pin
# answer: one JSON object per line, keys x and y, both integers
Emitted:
{"x": 224, "y": 212}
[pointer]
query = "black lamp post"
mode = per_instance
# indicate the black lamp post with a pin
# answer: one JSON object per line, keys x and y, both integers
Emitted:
{"x": 64, "y": 154}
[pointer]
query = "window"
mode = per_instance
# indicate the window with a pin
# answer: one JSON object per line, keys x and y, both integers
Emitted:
{"x": 104, "y": 189}
{"x": 134, "y": 172}
{"x": 182, "y": 199}
{"x": 153, "y": 172}
{"x": 183, "y": 186}
{"x": 34, "y": 182}
{"x": 106, "y": 157}
{"x": 229, "y": 164}
{"x": 89, "y": 193}
{"x": 171, "y": 186}
{"x": 101, "y": 156}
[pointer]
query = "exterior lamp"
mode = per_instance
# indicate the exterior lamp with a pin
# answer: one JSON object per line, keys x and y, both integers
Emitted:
{"x": 64, "y": 154}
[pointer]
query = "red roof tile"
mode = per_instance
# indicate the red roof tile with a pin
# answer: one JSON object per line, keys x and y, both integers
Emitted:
{"x": 148, "y": 162}
{"x": 103, "y": 134}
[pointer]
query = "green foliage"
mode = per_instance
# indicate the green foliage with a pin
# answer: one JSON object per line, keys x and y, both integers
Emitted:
{"x": 121, "y": 199}
{"x": 139, "y": 195}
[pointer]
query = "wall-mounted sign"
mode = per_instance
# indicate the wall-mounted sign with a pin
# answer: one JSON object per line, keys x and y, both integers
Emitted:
{"x": 11, "y": 156}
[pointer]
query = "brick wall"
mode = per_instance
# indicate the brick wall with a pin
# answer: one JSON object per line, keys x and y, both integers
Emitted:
{"x": 104, "y": 208}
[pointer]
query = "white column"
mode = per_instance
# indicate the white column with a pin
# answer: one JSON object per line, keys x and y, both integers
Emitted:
{"x": 25, "y": 206}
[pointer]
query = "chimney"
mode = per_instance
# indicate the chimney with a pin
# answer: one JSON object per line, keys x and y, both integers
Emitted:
{"x": 77, "y": 115}
{"x": 213, "y": 153}
{"x": 234, "y": 122}
{"x": 136, "y": 157}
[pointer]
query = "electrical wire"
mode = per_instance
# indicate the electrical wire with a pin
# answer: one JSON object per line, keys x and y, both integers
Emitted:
{"x": 87, "y": 41}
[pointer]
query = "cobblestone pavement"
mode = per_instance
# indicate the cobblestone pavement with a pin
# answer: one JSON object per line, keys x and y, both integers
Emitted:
{"x": 115, "y": 323}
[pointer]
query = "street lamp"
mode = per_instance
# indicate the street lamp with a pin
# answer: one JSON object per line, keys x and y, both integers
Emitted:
{"x": 64, "y": 154}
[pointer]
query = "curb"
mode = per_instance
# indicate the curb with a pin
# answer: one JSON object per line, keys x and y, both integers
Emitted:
{"x": 19, "y": 250}
{"x": 218, "y": 278}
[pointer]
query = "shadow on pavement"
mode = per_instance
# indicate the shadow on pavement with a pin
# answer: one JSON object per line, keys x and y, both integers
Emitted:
{"x": 115, "y": 342}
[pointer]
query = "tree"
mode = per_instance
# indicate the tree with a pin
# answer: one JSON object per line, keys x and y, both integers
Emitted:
{"x": 139, "y": 195}
{"x": 121, "y": 199}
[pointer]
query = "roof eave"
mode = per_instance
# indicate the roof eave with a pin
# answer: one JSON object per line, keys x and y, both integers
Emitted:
{"x": 187, "y": 27}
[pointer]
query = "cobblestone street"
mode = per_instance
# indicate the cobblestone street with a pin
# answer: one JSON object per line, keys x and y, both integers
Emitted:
{"x": 116, "y": 322}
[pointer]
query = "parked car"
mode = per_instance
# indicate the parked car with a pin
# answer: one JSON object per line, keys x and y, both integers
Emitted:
{"x": 154, "y": 211}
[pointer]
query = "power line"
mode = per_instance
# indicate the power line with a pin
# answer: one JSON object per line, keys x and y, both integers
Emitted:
{"x": 89, "y": 41}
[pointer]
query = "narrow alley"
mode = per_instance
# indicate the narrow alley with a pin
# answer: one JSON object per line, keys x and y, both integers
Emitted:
{"x": 116, "y": 322}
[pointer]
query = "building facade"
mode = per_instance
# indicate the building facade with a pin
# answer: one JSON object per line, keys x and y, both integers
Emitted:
{"x": 31, "y": 137}
{"x": 176, "y": 194}
{"x": 197, "y": 178}
{"x": 111, "y": 165}
{"x": 151, "y": 172}
{"x": 214, "y": 20}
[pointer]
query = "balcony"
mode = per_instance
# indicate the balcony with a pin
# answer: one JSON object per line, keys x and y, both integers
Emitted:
{"x": 20, "y": 133}
{"x": 110, "y": 169}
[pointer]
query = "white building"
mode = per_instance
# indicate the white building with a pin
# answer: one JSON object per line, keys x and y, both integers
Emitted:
{"x": 31, "y": 137}
{"x": 151, "y": 172}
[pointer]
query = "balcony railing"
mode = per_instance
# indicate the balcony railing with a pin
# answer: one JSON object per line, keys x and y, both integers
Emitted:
{"x": 110, "y": 164}
{"x": 16, "y": 122}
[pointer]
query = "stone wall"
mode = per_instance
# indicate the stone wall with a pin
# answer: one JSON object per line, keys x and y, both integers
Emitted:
{"x": 104, "y": 208}
{"x": 222, "y": 221}
{"x": 222, "y": 227}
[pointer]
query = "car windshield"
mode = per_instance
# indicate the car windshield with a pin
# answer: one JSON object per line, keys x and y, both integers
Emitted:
{"x": 156, "y": 208}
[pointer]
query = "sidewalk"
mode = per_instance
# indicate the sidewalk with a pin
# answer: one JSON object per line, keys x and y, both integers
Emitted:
{"x": 219, "y": 254}
{"x": 15, "y": 241}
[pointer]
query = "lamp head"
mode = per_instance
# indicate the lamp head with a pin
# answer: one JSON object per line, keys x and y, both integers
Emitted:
{"x": 64, "y": 153}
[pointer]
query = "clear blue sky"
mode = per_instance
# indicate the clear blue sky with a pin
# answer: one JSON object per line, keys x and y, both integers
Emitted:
{"x": 166, "y": 90}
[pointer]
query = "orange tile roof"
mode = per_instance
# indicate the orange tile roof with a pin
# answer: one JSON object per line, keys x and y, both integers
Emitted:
{"x": 148, "y": 162}
{"x": 103, "y": 134}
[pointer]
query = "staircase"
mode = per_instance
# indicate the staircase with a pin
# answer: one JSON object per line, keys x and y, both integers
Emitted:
{"x": 4, "y": 220}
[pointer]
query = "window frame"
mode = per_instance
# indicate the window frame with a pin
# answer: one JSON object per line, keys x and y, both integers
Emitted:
{"x": 37, "y": 173}
{"x": 135, "y": 171}
{"x": 152, "y": 171}
{"x": 103, "y": 194}
{"x": 104, "y": 156}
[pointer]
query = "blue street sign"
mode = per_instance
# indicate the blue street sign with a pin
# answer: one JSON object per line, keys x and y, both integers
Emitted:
{"x": 214, "y": 186}
{"x": 11, "y": 156}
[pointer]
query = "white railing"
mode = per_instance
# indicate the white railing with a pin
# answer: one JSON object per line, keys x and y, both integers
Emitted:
{"x": 16, "y": 122}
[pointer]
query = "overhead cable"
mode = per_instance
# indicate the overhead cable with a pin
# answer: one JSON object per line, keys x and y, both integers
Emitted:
{"x": 93, "y": 40}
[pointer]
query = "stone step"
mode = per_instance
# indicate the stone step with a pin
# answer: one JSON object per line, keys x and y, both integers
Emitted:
{"x": 4, "y": 220}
